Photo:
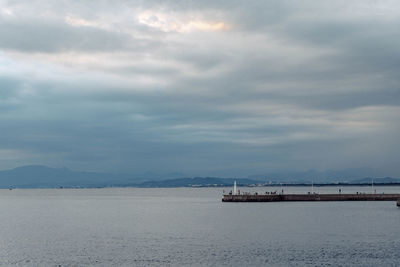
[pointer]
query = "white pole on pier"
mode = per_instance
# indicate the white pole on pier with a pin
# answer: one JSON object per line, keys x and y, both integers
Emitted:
{"x": 372, "y": 185}
{"x": 234, "y": 188}
{"x": 312, "y": 187}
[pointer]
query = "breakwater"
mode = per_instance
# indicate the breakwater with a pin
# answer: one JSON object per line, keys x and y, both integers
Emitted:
{"x": 309, "y": 197}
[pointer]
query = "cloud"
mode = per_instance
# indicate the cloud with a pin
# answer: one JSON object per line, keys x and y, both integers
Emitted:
{"x": 170, "y": 23}
{"x": 52, "y": 37}
{"x": 204, "y": 88}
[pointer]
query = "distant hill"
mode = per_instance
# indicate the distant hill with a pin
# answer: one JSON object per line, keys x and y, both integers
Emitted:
{"x": 328, "y": 176}
{"x": 385, "y": 180}
{"x": 198, "y": 182}
{"x": 36, "y": 176}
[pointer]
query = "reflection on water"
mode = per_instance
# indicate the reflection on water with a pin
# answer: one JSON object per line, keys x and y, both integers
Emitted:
{"x": 185, "y": 226}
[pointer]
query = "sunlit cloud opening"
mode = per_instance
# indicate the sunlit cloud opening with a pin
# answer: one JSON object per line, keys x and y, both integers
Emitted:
{"x": 6, "y": 11}
{"x": 80, "y": 22}
{"x": 165, "y": 23}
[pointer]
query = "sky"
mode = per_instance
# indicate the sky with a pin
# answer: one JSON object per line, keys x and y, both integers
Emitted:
{"x": 228, "y": 88}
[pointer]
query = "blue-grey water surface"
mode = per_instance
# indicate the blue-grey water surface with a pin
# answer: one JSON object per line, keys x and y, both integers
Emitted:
{"x": 192, "y": 227}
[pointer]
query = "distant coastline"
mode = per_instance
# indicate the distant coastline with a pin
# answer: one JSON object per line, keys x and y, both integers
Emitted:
{"x": 46, "y": 177}
{"x": 164, "y": 184}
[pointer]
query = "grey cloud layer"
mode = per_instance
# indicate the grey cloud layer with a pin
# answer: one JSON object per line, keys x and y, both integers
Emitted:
{"x": 287, "y": 85}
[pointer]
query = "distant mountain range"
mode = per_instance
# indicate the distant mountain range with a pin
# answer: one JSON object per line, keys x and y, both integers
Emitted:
{"x": 41, "y": 176}
{"x": 198, "y": 182}
{"x": 213, "y": 182}
{"x": 385, "y": 180}
{"x": 328, "y": 176}
{"x": 37, "y": 176}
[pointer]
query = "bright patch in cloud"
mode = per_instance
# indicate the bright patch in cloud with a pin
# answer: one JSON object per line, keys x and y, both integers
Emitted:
{"x": 6, "y": 11}
{"x": 79, "y": 22}
{"x": 168, "y": 23}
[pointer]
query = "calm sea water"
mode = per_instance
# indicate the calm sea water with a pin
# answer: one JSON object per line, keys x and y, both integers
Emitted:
{"x": 192, "y": 227}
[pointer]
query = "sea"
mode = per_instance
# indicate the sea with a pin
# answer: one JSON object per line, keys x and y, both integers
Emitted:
{"x": 193, "y": 227}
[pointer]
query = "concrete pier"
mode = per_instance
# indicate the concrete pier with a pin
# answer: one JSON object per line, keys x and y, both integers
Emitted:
{"x": 310, "y": 197}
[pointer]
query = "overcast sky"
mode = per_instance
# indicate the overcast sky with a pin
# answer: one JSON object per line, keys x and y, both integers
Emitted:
{"x": 200, "y": 87}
